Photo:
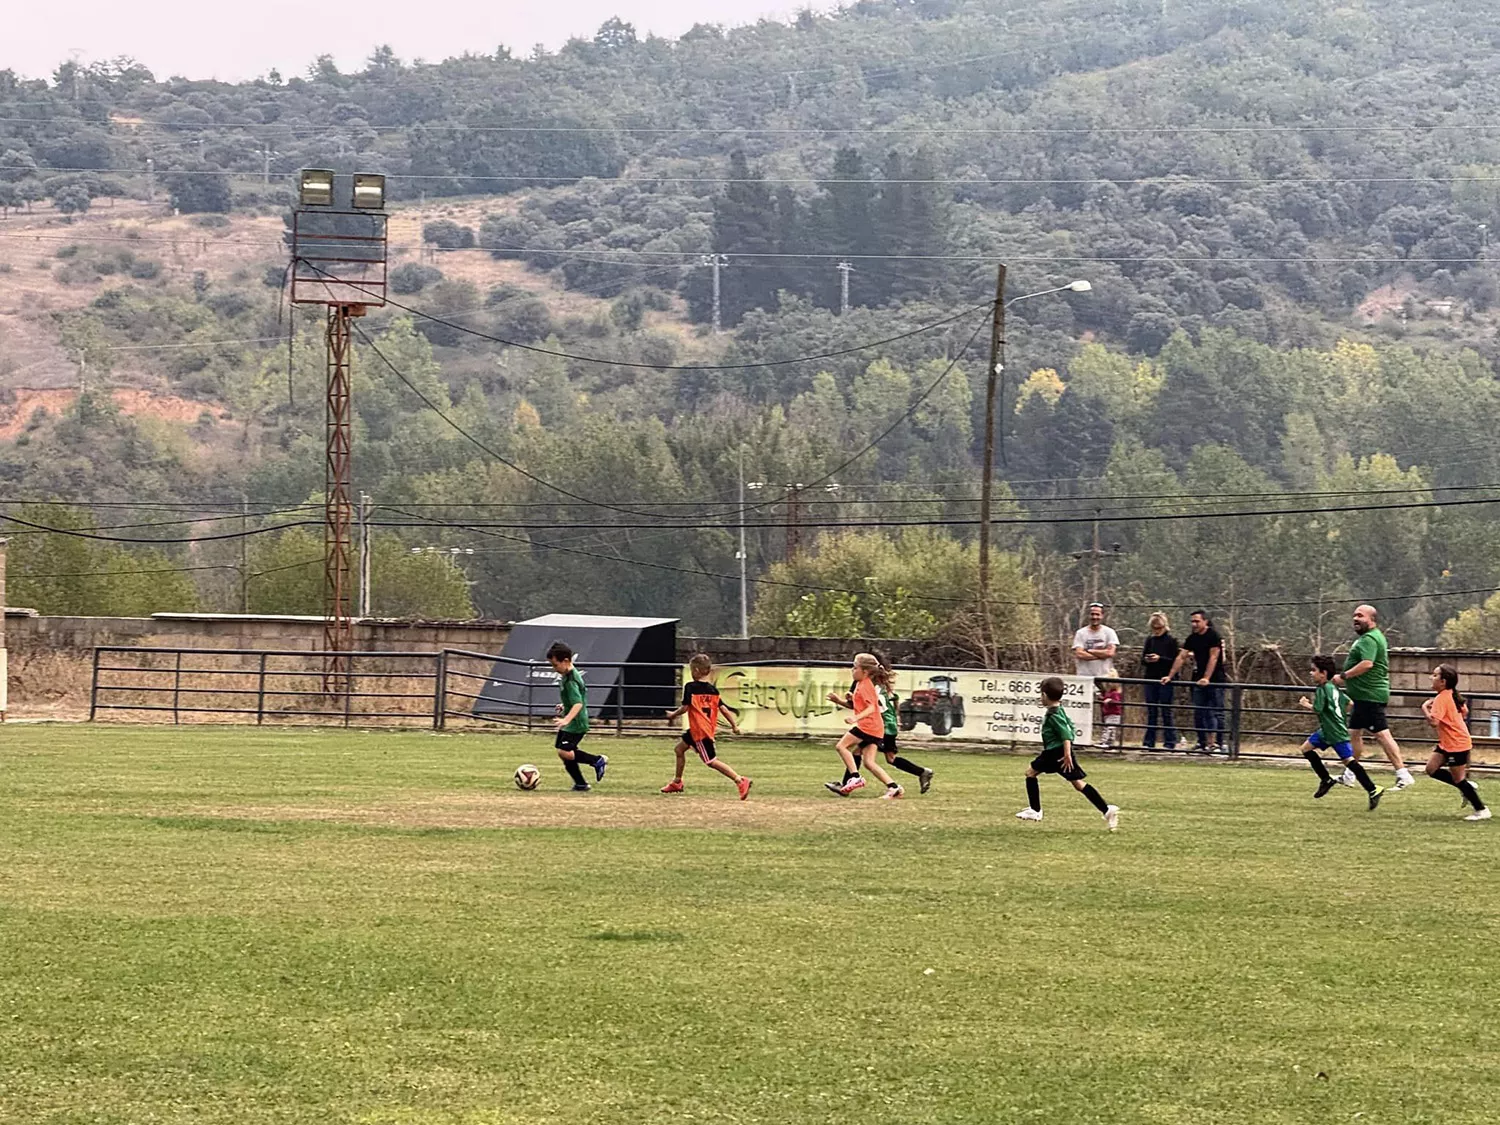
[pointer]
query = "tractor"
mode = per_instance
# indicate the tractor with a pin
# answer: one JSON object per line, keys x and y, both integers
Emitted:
{"x": 937, "y": 705}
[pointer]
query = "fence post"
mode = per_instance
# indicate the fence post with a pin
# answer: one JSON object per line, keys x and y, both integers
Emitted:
{"x": 348, "y": 688}
{"x": 260, "y": 693}
{"x": 620, "y": 702}
{"x": 177, "y": 689}
{"x": 440, "y": 692}
{"x": 1236, "y": 711}
{"x": 530, "y": 694}
{"x": 93, "y": 687}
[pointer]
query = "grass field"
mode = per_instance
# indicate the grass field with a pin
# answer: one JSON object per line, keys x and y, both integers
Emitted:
{"x": 218, "y": 926}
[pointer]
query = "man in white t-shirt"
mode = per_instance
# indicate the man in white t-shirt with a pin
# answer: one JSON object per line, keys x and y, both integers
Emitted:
{"x": 1094, "y": 645}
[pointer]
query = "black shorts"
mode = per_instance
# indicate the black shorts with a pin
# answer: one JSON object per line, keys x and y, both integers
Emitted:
{"x": 1368, "y": 716}
{"x": 1052, "y": 762}
{"x": 569, "y": 740}
{"x": 1453, "y": 757}
{"x": 888, "y": 744}
{"x": 866, "y": 739}
{"x": 703, "y": 747}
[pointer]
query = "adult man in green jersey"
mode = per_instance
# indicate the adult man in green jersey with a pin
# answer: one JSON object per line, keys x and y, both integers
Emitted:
{"x": 1367, "y": 679}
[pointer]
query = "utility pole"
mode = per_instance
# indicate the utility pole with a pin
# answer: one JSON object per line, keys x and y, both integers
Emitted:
{"x": 1096, "y": 554}
{"x": 744, "y": 583}
{"x": 244, "y": 552}
{"x": 845, "y": 269}
{"x": 793, "y": 520}
{"x": 150, "y": 179}
{"x": 267, "y": 153}
{"x": 987, "y": 485}
{"x": 716, "y": 262}
{"x": 364, "y": 554}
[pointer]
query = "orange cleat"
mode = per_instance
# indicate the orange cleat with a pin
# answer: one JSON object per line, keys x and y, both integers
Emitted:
{"x": 743, "y": 785}
{"x": 673, "y": 786}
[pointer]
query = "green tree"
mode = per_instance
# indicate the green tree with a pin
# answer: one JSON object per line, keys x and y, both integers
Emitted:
{"x": 1477, "y": 627}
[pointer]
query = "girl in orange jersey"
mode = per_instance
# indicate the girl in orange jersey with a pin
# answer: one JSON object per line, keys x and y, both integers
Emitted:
{"x": 1449, "y": 716}
{"x": 868, "y": 732}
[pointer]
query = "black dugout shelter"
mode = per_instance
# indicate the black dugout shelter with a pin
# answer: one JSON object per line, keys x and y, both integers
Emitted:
{"x": 629, "y": 665}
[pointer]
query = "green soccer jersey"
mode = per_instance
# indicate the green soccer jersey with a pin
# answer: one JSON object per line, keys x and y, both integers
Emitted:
{"x": 573, "y": 691}
{"x": 1375, "y": 685}
{"x": 888, "y": 703}
{"x": 1057, "y": 728}
{"x": 1328, "y": 706}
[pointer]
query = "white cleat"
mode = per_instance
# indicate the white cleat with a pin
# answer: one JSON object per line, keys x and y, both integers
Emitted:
{"x": 1112, "y": 817}
{"x": 1404, "y": 780}
{"x": 1482, "y": 814}
{"x": 1029, "y": 814}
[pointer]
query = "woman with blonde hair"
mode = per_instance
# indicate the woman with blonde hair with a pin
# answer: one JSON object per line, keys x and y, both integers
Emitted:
{"x": 1158, "y": 655}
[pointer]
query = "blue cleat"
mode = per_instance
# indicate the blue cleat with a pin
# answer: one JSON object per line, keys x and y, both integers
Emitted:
{"x": 600, "y": 766}
{"x": 582, "y": 787}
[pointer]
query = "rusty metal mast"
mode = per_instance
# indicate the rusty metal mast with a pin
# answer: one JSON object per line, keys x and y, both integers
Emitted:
{"x": 339, "y": 257}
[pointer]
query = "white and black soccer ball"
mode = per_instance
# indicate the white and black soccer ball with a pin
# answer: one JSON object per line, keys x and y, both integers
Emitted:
{"x": 528, "y": 777}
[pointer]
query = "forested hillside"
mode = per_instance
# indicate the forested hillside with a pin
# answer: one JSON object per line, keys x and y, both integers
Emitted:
{"x": 1283, "y": 213}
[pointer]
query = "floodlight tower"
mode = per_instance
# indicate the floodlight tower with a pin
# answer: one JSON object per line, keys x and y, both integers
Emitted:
{"x": 339, "y": 257}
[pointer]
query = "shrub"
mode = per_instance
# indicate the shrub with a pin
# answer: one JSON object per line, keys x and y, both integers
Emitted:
{"x": 413, "y": 277}
{"x": 448, "y": 235}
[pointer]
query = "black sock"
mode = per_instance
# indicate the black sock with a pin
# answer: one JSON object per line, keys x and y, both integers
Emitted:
{"x": 586, "y": 758}
{"x": 1317, "y": 764}
{"x": 1033, "y": 794}
{"x": 573, "y": 772}
{"x": 907, "y": 766}
{"x": 1360, "y": 775}
{"x": 1097, "y": 801}
{"x": 1466, "y": 787}
{"x": 1444, "y": 775}
{"x": 848, "y": 773}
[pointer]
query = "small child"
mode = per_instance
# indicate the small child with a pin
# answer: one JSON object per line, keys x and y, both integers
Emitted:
{"x": 890, "y": 704}
{"x": 573, "y": 719}
{"x": 704, "y": 708}
{"x": 868, "y": 732}
{"x": 1112, "y": 708}
{"x": 1328, "y": 703}
{"x": 1058, "y": 734}
{"x": 1449, "y": 763}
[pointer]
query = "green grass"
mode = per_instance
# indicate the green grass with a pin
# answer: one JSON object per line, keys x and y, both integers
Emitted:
{"x": 228, "y": 926}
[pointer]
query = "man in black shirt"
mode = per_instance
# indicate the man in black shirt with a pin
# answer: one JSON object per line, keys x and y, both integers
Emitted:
{"x": 1159, "y": 652}
{"x": 1207, "y": 650}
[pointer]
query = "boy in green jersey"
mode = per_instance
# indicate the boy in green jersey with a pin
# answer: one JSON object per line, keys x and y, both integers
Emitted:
{"x": 573, "y": 719}
{"x": 1333, "y": 732}
{"x": 1057, "y": 757}
{"x": 1367, "y": 679}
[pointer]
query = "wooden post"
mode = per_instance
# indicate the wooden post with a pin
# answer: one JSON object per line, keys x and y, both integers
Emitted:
{"x": 4, "y": 673}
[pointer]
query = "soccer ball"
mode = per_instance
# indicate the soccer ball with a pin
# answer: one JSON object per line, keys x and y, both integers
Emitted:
{"x": 528, "y": 777}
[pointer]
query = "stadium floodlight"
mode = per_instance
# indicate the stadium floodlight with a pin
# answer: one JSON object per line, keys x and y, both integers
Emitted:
{"x": 1080, "y": 286}
{"x": 315, "y": 189}
{"x": 369, "y": 191}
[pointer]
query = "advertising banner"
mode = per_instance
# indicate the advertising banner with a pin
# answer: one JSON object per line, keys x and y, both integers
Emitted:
{"x": 962, "y": 706}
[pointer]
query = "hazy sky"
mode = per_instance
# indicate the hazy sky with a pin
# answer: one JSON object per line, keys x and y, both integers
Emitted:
{"x": 234, "y": 41}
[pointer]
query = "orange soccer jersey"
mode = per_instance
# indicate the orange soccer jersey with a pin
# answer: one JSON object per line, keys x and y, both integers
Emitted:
{"x": 1453, "y": 731}
{"x": 703, "y": 706}
{"x": 865, "y": 698}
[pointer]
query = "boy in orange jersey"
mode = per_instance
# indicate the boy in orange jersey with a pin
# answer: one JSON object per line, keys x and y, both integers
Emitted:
{"x": 1448, "y": 715}
{"x": 704, "y": 708}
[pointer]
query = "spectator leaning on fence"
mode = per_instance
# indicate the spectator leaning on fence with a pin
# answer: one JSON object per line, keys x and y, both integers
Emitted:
{"x": 1094, "y": 645}
{"x": 1157, "y": 654}
{"x": 1207, "y": 650}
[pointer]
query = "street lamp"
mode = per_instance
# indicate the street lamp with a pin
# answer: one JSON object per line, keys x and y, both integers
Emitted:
{"x": 993, "y": 384}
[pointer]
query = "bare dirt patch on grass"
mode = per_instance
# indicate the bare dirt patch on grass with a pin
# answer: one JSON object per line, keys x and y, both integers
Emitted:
{"x": 546, "y": 810}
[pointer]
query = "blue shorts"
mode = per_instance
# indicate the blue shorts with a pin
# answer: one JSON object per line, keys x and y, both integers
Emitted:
{"x": 1342, "y": 749}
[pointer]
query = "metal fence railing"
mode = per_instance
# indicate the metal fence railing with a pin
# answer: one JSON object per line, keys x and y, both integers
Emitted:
{"x": 456, "y": 687}
{"x": 1264, "y": 720}
{"x": 279, "y": 686}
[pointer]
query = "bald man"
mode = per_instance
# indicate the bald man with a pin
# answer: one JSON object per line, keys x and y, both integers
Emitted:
{"x": 1367, "y": 679}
